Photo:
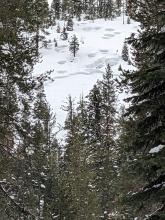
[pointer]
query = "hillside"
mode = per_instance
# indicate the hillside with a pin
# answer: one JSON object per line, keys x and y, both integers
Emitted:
{"x": 100, "y": 43}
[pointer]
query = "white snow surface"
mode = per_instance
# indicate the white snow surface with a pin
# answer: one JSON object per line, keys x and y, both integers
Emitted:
{"x": 156, "y": 149}
{"x": 101, "y": 42}
{"x": 49, "y": 1}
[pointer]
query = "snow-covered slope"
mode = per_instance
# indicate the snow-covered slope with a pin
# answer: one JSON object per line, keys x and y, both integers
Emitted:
{"x": 100, "y": 41}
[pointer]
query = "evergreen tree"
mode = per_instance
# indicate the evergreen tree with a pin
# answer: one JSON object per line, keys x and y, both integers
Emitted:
{"x": 120, "y": 68}
{"x": 51, "y": 18}
{"x": 118, "y": 5}
{"x": 69, "y": 25}
{"x": 128, "y": 20}
{"x": 125, "y": 55}
{"x": 44, "y": 159}
{"x": 127, "y": 175}
{"x": 58, "y": 28}
{"x": 91, "y": 11}
{"x": 106, "y": 154}
{"x": 38, "y": 16}
{"x": 108, "y": 9}
{"x": 56, "y": 8}
{"x": 81, "y": 198}
{"x": 32, "y": 175}
{"x": 94, "y": 113}
{"x": 147, "y": 88}
{"x": 74, "y": 45}
{"x": 17, "y": 92}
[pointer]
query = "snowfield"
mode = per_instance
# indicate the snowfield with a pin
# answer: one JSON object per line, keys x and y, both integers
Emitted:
{"x": 100, "y": 43}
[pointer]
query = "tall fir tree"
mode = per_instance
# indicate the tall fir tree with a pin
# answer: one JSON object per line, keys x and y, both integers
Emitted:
{"x": 125, "y": 54}
{"x": 147, "y": 87}
{"x": 101, "y": 136}
{"x": 74, "y": 45}
{"x": 80, "y": 195}
{"x": 56, "y": 9}
{"x": 18, "y": 92}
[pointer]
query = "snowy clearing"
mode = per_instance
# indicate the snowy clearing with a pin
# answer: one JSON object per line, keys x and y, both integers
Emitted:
{"x": 100, "y": 42}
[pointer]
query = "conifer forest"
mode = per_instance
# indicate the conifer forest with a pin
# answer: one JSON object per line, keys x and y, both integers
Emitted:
{"x": 82, "y": 110}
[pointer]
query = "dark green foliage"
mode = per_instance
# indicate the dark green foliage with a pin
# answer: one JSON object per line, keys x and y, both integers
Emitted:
{"x": 105, "y": 9}
{"x": 58, "y": 28}
{"x": 92, "y": 9}
{"x": 56, "y": 9}
{"x": 74, "y": 45}
{"x": 128, "y": 20}
{"x": 107, "y": 168}
{"x": 102, "y": 113}
{"x": 69, "y": 25}
{"x": 118, "y": 6}
{"x": 90, "y": 156}
{"x": 81, "y": 201}
{"x": 120, "y": 68}
{"x": 125, "y": 55}
{"x": 147, "y": 86}
{"x": 37, "y": 15}
{"x": 55, "y": 42}
{"x": 25, "y": 133}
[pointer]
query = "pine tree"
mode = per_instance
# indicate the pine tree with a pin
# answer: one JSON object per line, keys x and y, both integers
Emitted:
{"x": 128, "y": 20}
{"x": 118, "y": 5}
{"x": 45, "y": 148}
{"x": 74, "y": 45}
{"x": 69, "y": 25}
{"x": 32, "y": 173}
{"x": 94, "y": 113}
{"x": 58, "y": 28}
{"x": 91, "y": 10}
{"x": 81, "y": 198}
{"x": 106, "y": 154}
{"x": 127, "y": 175}
{"x": 55, "y": 42}
{"x": 125, "y": 55}
{"x": 17, "y": 93}
{"x": 120, "y": 68}
{"x": 108, "y": 9}
{"x": 38, "y": 16}
{"x": 147, "y": 87}
{"x": 78, "y": 9}
{"x": 56, "y": 9}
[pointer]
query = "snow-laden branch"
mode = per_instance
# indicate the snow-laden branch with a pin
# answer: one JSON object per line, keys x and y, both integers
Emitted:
{"x": 156, "y": 213}
{"x": 16, "y": 205}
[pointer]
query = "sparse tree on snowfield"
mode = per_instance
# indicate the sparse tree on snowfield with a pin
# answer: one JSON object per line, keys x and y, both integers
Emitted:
{"x": 74, "y": 45}
{"x": 120, "y": 68}
{"x": 58, "y": 28}
{"x": 125, "y": 55}
{"x": 128, "y": 20}
{"x": 55, "y": 42}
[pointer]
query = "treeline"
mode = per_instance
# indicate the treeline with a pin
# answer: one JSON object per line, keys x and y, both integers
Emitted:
{"x": 112, "y": 164}
{"x": 91, "y": 9}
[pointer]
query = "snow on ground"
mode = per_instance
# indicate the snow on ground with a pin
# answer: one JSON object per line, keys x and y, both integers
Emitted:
{"x": 101, "y": 43}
